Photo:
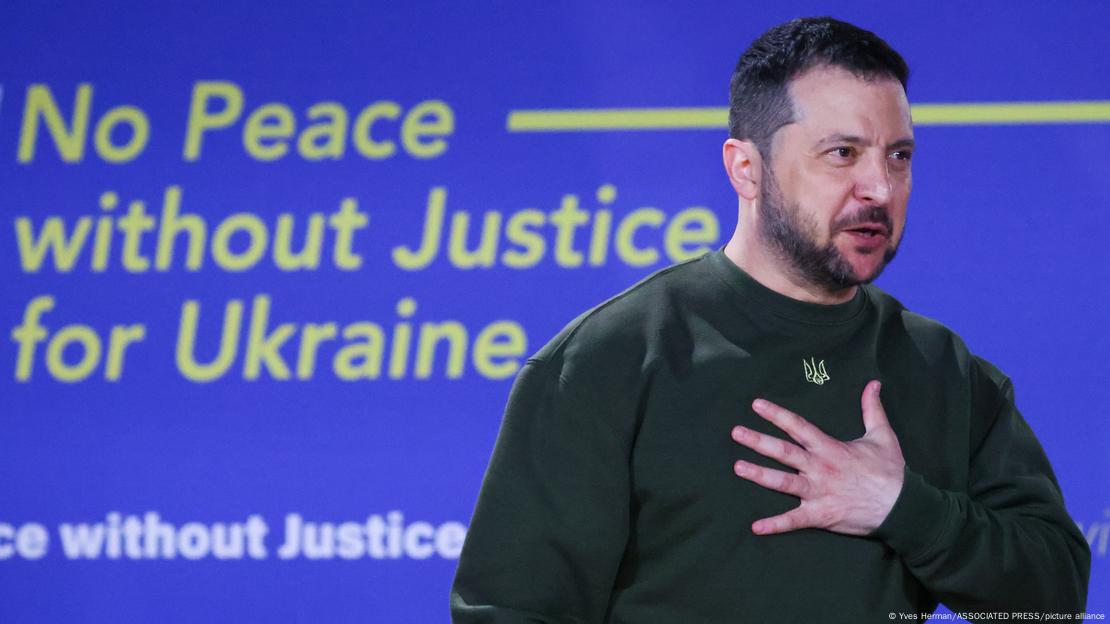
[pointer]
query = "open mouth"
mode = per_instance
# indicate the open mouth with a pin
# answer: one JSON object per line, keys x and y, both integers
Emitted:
{"x": 868, "y": 231}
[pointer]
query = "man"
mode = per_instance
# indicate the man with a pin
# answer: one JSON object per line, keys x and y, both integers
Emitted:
{"x": 712, "y": 445}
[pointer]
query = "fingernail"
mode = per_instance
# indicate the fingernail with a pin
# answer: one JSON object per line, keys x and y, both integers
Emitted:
{"x": 878, "y": 387}
{"x": 759, "y": 404}
{"x": 739, "y": 468}
{"x": 757, "y": 527}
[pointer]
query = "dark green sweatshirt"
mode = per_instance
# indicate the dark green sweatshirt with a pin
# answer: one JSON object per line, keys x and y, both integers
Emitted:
{"x": 610, "y": 496}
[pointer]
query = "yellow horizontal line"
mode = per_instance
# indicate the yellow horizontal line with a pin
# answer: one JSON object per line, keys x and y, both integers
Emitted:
{"x": 1011, "y": 113}
{"x": 716, "y": 118}
{"x": 587, "y": 119}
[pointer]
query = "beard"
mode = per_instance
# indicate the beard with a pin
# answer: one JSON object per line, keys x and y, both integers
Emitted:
{"x": 792, "y": 234}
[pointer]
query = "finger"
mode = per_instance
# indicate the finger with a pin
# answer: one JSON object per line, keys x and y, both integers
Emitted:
{"x": 790, "y": 521}
{"x": 805, "y": 432}
{"x": 777, "y": 480}
{"x": 769, "y": 446}
{"x": 874, "y": 416}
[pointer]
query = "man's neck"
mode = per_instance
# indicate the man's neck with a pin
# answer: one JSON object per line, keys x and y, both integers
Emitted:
{"x": 774, "y": 273}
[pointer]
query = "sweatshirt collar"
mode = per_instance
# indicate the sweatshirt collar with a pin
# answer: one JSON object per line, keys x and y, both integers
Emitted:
{"x": 780, "y": 305}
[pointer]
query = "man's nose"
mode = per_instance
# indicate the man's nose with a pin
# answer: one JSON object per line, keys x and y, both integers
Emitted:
{"x": 873, "y": 183}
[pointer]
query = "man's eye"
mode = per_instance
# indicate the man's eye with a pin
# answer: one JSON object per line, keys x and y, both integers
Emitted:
{"x": 902, "y": 155}
{"x": 842, "y": 152}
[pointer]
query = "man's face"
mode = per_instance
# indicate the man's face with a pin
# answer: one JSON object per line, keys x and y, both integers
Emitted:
{"x": 833, "y": 198}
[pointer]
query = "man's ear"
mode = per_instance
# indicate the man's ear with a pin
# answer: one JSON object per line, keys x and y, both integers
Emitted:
{"x": 744, "y": 165}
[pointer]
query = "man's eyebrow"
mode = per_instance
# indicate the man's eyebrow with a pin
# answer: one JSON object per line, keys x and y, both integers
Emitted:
{"x": 851, "y": 139}
{"x": 841, "y": 138}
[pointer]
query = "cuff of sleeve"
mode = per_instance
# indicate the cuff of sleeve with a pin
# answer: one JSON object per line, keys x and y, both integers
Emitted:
{"x": 917, "y": 520}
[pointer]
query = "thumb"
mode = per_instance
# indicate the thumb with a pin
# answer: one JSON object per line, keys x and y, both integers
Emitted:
{"x": 874, "y": 416}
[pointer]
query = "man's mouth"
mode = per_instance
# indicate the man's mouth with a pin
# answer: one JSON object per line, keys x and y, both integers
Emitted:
{"x": 869, "y": 230}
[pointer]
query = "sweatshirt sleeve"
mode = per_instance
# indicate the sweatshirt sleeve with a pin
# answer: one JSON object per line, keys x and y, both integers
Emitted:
{"x": 552, "y": 517}
{"x": 1007, "y": 543}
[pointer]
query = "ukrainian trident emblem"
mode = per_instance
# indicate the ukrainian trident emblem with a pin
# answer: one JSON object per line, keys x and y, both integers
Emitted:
{"x": 815, "y": 371}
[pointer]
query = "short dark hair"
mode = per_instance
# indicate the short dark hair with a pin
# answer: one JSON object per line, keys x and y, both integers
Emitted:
{"x": 759, "y": 98}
